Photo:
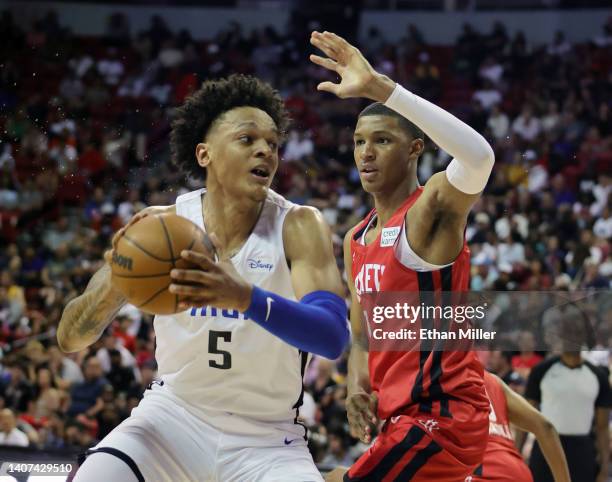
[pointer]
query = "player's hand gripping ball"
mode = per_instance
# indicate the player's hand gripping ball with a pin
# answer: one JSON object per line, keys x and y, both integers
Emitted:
{"x": 146, "y": 252}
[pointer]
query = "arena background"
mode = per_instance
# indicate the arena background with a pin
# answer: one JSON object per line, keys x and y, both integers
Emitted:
{"x": 87, "y": 92}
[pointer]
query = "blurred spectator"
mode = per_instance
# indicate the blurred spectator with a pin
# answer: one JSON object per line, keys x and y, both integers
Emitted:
{"x": 338, "y": 454}
{"x": 527, "y": 358}
{"x": 498, "y": 123}
{"x": 500, "y": 363}
{"x": 85, "y": 396}
{"x": 526, "y": 126}
{"x": 9, "y": 433}
{"x": 488, "y": 95}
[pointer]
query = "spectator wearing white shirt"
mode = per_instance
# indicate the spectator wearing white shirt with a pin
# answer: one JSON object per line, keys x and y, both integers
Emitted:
{"x": 488, "y": 95}
{"x": 560, "y": 46}
{"x": 498, "y": 123}
{"x": 551, "y": 120}
{"x": 111, "y": 68}
{"x": 526, "y": 126}
{"x": 511, "y": 251}
{"x": 9, "y": 433}
{"x": 603, "y": 226}
{"x": 491, "y": 70}
{"x": 298, "y": 146}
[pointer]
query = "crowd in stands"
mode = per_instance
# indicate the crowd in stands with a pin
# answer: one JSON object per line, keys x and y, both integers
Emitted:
{"x": 84, "y": 126}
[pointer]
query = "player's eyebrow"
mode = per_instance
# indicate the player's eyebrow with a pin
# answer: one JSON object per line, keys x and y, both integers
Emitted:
{"x": 251, "y": 124}
{"x": 377, "y": 132}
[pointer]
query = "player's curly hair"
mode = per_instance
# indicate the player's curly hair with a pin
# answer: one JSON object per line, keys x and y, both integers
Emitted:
{"x": 194, "y": 118}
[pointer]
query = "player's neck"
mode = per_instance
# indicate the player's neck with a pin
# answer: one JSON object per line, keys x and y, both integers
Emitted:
{"x": 386, "y": 203}
{"x": 232, "y": 220}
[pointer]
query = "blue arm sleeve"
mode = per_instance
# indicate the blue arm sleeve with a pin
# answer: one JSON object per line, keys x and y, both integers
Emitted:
{"x": 316, "y": 324}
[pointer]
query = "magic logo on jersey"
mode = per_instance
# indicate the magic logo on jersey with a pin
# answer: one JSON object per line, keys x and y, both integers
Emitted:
{"x": 216, "y": 312}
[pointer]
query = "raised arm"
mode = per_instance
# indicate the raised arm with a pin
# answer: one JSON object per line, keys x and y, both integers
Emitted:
{"x": 447, "y": 197}
{"x": 86, "y": 317}
{"x": 526, "y": 417}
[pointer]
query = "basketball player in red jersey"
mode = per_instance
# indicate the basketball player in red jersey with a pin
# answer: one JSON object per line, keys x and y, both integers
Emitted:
{"x": 502, "y": 461}
{"x": 433, "y": 402}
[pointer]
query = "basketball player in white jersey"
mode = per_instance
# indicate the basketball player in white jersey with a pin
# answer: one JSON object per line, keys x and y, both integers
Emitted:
{"x": 231, "y": 364}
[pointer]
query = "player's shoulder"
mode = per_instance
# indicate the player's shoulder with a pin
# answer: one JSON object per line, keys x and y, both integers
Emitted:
{"x": 349, "y": 235}
{"x": 303, "y": 219}
{"x": 150, "y": 210}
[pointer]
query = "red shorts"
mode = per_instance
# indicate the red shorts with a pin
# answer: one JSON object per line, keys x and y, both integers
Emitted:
{"x": 420, "y": 447}
{"x": 502, "y": 466}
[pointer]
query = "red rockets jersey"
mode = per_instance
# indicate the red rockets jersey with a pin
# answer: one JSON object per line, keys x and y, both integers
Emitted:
{"x": 502, "y": 461}
{"x": 431, "y": 381}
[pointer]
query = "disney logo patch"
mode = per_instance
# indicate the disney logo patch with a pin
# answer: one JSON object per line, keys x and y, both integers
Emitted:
{"x": 259, "y": 265}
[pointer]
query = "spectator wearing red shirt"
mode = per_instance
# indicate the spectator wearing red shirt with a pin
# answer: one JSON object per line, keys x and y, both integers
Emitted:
{"x": 527, "y": 359}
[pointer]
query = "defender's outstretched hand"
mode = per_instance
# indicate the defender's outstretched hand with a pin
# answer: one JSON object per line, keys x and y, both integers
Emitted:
{"x": 357, "y": 77}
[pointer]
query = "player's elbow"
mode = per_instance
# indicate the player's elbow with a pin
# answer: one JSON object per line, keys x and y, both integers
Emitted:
{"x": 486, "y": 155}
{"x": 65, "y": 344}
{"x": 489, "y": 155}
{"x": 544, "y": 429}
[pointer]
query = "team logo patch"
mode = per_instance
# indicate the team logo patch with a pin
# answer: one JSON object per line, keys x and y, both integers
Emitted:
{"x": 388, "y": 236}
{"x": 256, "y": 264}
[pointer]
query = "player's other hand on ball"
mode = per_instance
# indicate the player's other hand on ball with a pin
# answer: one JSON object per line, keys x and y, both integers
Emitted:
{"x": 143, "y": 213}
{"x": 108, "y": 255}
{"x": 211, "y": 283}
{"x": 357, "y": 77}
{"x": 361, "y": 411}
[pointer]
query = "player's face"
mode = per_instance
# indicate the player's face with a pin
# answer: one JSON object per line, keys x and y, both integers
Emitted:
{"x": 384, "y": 153}
{"x": 243, "y": 152}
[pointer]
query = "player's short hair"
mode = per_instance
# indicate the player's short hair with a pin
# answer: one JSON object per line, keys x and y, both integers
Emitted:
{"x": 194, "y": 118}
{"x": 378, "y": 108}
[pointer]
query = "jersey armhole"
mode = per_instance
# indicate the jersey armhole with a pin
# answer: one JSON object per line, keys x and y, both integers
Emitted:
{"x": 408, "y": 258}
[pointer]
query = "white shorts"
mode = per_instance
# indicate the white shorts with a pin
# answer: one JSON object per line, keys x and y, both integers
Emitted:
{"x": 163, "y": 441}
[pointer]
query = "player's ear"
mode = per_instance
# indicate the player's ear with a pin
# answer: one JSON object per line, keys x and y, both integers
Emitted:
{"x": 203, "y": 154}
{"x": 416, "y": 147}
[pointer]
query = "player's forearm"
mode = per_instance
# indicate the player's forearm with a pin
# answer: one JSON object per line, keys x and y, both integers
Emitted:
{"x": 358, "y": 379}
{"x": 85, "y": 318}
{"x": 473, "y": 156}
{"x": 447, "y": 131}
{"x": 551, "y": 447}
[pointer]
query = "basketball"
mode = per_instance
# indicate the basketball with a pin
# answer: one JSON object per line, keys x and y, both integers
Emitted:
{"x": 147, "y": 252}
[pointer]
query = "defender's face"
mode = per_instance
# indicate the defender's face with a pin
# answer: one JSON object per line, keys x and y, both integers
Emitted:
{"x": 382, "y": 153}
{"x": 243, "y": 152}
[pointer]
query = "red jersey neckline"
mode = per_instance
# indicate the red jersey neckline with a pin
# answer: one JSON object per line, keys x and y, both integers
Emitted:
{"x": 411, "y": 198}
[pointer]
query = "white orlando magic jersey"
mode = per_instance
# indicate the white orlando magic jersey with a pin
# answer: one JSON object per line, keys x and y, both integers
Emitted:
{"x": 216, "y": 360}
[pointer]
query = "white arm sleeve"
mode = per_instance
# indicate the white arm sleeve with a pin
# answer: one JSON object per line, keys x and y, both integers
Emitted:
{"x": 473, "y": 157}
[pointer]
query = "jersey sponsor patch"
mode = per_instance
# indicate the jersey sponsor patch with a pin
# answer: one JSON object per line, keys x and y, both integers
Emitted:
{"x": 388, "y": 236}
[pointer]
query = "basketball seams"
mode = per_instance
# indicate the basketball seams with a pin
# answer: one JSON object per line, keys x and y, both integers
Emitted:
{"x": 155, "y": 295}
{"x": 171, "y": 251}
{"x": 145, "y": 251}
{"x": 148, "y": 279}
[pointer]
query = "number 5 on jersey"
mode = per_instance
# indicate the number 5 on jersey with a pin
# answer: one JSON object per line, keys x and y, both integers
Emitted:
{"x": 213, "y": 348}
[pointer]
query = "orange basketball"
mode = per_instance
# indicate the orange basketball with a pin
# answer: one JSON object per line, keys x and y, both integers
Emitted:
{"x": 147, "y": 252}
